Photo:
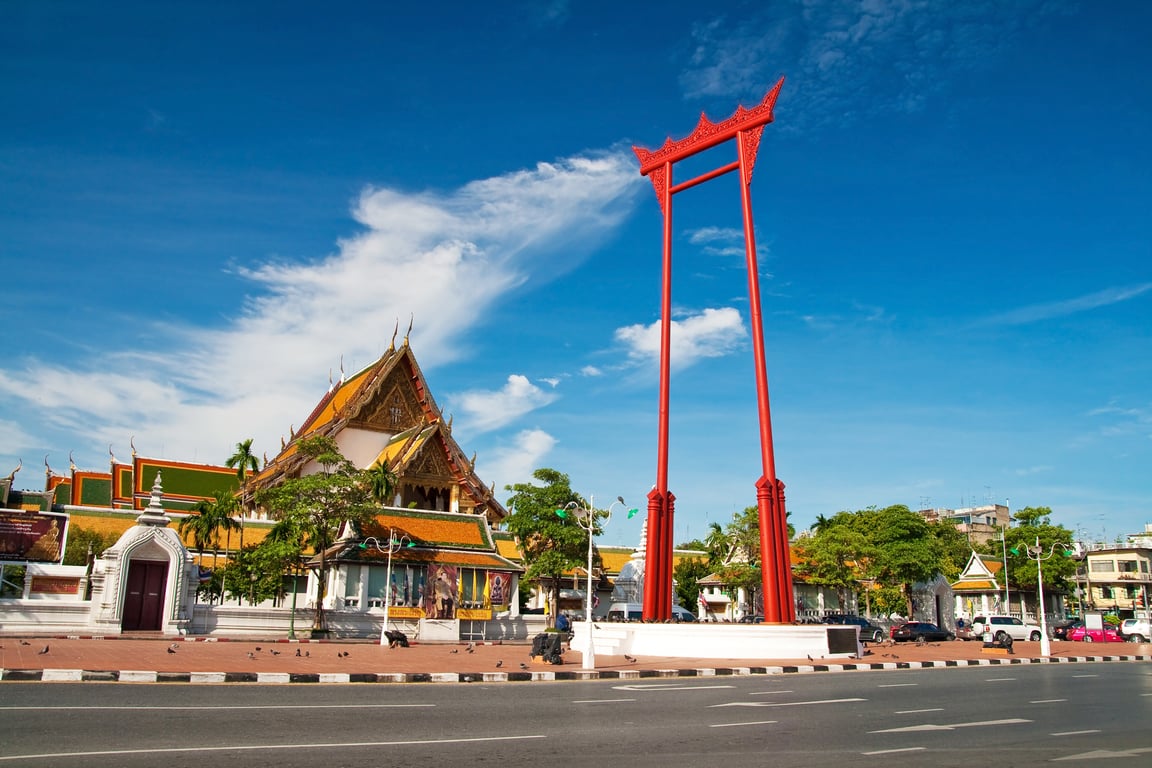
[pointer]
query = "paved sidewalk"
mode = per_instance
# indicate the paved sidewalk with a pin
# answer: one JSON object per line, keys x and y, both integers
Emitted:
{"x": 219, "y": 660}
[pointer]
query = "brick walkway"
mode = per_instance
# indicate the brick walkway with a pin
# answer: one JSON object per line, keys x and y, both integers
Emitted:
{"x": 247, "y": 659}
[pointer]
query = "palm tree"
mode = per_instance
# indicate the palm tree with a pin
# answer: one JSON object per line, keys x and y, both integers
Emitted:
{"x": 242, "y": 461}
{"x": 381, "y": 483}
{"x": 205, "y": 525}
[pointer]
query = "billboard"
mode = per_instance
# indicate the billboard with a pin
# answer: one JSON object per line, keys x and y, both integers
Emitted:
{"x": 34, "y": 537}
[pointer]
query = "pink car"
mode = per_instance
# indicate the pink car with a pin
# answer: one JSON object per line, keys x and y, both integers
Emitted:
{"x": 1106, "y": 635}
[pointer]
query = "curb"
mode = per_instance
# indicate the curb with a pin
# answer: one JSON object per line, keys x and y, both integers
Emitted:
{"x": 284, "y": 678}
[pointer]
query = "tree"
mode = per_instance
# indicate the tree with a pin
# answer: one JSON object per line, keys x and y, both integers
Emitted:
{"x": 1034, "y": 528}
{"x": 311, "y": 509}
{"x": 686, "y": 574}
{"x": 381, "y": 483}
{"x": 549, "y": 544}
{"x": 80, "y": 539}
{"x": 836, "y": 556}
{"x": 243, "y": 461}
{"x": 204, "y": 526}
{"x": 905, "y": 551}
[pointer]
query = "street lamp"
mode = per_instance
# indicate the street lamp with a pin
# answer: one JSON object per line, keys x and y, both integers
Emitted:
{"x": 394, "y": 545}
{"x": 1036, "y": 552}
{"x": 586, "y": 519}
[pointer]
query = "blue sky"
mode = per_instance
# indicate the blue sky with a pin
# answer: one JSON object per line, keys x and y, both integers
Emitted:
{"x": 208, "y": 206}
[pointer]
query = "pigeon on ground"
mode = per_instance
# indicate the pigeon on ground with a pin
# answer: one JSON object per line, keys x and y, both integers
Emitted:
{"x": 471, "y": 647}
{"x": 307, "y": 654}
{"x": 275, "y": 653}
{"x": 631, "y": 659}
{"x": 42, "y": 651}
{"x": 523, "y": 665}
{"x": 251, "y": 655}
{"x": 171, "y": 649}
{"x": 25, "y": 642}
{"x": 257, "y": 648}
{"x": 454, "y": 650}
{"x": 298, "y": 652}
{"x": 499, "y": 663}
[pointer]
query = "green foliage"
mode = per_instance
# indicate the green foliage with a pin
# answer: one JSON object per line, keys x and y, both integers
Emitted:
{"x": 381, "y": 483}
{"x": 549, "y": 544}
{"x": 76, "y": 553}
{"x": 687, "y": 573}
{"x": 311, "y": 509}
{"x": 243, "y": 460}
{"x": 1034, "y": 530}
{"x": 837, "y": 556}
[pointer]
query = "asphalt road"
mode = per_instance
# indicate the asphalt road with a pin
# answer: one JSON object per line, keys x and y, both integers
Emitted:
{"x": 1022, "y": 715}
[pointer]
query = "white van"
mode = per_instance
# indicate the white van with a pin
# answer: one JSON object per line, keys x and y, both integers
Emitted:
{"x": 635, "y": 612}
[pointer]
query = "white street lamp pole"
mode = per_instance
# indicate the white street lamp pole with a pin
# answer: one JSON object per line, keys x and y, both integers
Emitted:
{"x": 394, "y": 545}
{"x": 1035, "y": 553}
{"x": 586, "y": 519}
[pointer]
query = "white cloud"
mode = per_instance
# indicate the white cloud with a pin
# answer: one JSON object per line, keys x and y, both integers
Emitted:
{"x": 1047, "y": 311}
{"x": 190, "y": 393}
{"x": 711, "y": 333}
{"x": 485, "y": 410}
{"x": 591, "y": 370}
{"x": 515, "y": 463}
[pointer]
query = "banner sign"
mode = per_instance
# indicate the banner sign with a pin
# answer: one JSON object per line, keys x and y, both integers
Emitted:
{"x": 34, "y": 537}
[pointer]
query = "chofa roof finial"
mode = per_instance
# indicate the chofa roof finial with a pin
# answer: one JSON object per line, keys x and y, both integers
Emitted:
{"x": 392, "y": 344}
{"x": 411, "y": 320}
{"x": 12, "y": 474}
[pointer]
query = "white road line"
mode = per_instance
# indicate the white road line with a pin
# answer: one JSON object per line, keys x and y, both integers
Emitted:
{"x": 891, "y": 751}
{"x": 1085, "y": 675}
{"x": 783, "y": 703}
{"x": 767, "y": 693}
{"x": 267, "y": 747}
{"x": 1000, "y": 680}
{"x": 600, "y": 701}
{"x": 668, "y": 687}
{"x": 736, "y": 725}
{"x": 917, "y": 711}
{"x": 193, "y": 709}
{"x": 1075, "y": 733}
{"x": 953, "y": 726}
{"x": 898, "y": 685}
{"x": 1047, "y": 701}
{"x": 1105, "y": 754}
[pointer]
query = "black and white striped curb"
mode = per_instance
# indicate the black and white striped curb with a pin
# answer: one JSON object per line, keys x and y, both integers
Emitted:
{"x": 272, "y": 678}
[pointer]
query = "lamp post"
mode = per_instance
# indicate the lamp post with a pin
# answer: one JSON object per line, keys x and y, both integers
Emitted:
{"x": 1036, "y": 552}
{"x": 586, "y": 519}
{"x": 295, "y": 589}
{"x": 394, "y": 545}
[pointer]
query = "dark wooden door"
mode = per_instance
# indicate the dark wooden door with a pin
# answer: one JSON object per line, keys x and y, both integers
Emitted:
{"x": 144, "y": 602}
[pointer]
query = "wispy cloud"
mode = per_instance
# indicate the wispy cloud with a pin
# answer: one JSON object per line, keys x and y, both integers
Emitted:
{"x": 848, "y": 60}
{"x": 710, "y": 333}
{"x": 191, "y": 389}
{"x": 1047, "y": 311}
{"x": 485, "y": 410}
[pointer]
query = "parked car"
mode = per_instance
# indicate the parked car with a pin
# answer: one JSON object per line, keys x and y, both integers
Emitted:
{"x": 869, "y": 632}
{"x": 1106, "y": 635}
{"x": 1136, "y": 630}
{"x": 920, "y": 631}
{"x": 1061, "y": 630}
{"x": 1001, "y": 627}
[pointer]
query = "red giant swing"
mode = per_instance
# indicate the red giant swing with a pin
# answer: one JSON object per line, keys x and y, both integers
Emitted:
{"x": 745, "y": 127}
